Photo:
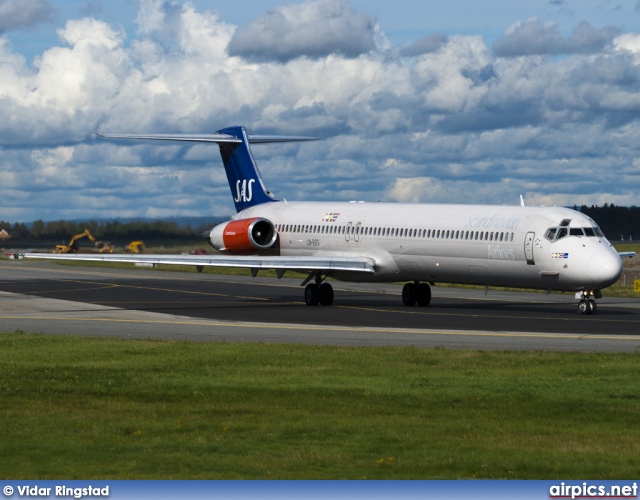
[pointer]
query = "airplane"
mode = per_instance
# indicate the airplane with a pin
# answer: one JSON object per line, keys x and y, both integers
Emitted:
{"x": 534, "y": 247}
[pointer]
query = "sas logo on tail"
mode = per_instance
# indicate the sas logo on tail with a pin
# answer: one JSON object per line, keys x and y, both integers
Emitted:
{"x": 244, "y": 190}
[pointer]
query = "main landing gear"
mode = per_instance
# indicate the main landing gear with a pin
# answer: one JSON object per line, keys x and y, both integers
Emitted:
{"x": 587, "y": 304}
{"x": 318, "y": 292}
{"x": 416, "y": 292}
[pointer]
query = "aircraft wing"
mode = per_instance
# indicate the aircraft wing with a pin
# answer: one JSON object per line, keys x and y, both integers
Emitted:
{"x": 253, "y": 262}
{"x": 626, "y": 254}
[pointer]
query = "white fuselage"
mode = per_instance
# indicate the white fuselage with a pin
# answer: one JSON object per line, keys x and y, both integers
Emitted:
{"x": 469, "y": 244}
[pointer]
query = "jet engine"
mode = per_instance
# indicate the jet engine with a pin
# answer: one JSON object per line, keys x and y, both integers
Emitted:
{"x": 244, "y": 236}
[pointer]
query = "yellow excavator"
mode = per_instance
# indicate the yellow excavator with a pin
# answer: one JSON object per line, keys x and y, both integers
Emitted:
{"x": 104, "y": 246}
{"x": 135, "y": 247}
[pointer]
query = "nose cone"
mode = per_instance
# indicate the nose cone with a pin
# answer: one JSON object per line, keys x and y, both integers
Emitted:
{"x": 605, "y": 268}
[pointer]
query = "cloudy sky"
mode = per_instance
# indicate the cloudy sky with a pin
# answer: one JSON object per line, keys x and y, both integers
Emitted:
{"x": 458, "y": 101}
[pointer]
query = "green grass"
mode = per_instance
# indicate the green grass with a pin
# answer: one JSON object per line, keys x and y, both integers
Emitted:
{"x": 76, "y": 407}
{"x": 627, "y": 247}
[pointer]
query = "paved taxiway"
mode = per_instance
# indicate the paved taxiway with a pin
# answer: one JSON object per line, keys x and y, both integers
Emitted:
{"x": 37, "y": 296}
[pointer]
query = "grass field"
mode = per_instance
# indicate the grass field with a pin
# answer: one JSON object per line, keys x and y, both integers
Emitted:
{"x": 75, "y": 407}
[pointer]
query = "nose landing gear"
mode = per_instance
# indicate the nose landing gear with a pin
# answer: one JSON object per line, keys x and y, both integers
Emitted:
{"x": 587, "y": 304}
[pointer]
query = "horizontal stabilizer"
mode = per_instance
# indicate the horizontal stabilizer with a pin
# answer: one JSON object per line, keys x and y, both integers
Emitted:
{"x": 245, "y": 181}
{"x": 217, "y": 138}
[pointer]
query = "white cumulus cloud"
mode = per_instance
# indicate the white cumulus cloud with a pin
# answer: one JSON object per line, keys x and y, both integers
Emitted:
{"x": 446, "y": 119}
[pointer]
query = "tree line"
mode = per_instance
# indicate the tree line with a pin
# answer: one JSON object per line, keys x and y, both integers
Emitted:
{"x": 117, "y": 231}
{"x": 616, "y": 222}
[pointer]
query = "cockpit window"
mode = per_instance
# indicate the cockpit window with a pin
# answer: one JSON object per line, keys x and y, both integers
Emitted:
{"x": 556, "y": 233}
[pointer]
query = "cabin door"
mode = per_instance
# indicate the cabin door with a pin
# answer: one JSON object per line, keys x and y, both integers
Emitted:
{"x": 528, "y": 248}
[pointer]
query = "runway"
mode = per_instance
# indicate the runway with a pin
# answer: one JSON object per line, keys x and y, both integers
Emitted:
{"x": 47, "y": 297}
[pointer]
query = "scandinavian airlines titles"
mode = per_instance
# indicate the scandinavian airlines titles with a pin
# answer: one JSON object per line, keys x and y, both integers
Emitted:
{"x": 495, "y": 222}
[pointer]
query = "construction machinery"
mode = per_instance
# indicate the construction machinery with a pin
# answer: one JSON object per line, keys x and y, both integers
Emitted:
{"x": 72, "y": 247}
{"x": 103, "y": 246}
{"x": 135, "y": 247}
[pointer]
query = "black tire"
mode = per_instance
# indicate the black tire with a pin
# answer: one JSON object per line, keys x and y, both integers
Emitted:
{"x": 409, "y": 294}
{"x": 312, "y": 294}
{"x": 594, "y": 306}
{"x": 326, "y": 294}
{"x": 584, "y": 307}
{"x": 423, "y": 294}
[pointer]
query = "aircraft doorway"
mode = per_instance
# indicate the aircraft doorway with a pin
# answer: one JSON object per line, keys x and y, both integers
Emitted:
{"x": 528, "y": 248}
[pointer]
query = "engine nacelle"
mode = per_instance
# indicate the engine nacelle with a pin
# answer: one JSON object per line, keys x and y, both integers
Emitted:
{"x": 244, "y": 236}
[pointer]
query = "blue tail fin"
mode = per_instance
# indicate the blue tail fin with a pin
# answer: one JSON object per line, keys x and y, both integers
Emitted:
{"x": 245, "y": 181}
{"x": 243, "y": 175}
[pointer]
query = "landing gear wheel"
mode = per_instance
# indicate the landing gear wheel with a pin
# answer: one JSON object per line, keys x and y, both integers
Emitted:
{"x": 584, "y": 307}
{"x": 594, "y": 306}
{"x": 326, "y": 294}
{"x": 409, "y": 294}
{"x": 312, "y": 294}
{"x": 423, "y": 294}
